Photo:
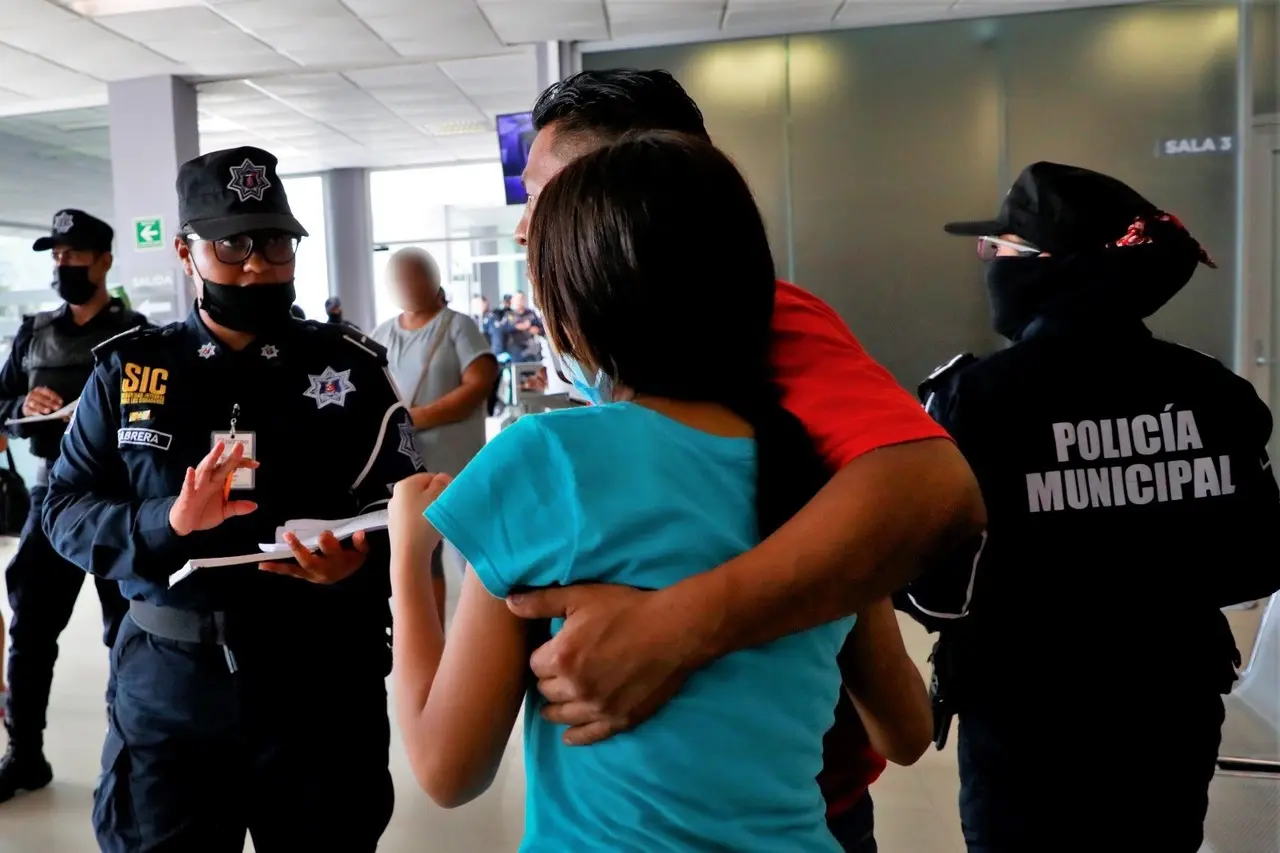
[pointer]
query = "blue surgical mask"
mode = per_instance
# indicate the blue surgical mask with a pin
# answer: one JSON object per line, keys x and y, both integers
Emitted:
{"x": 598, "y": 390}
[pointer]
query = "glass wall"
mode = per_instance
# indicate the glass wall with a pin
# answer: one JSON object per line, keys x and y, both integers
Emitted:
{"x": 458, "y": 214}
{"x": 861, "y": 144}
{"x": 311, "y": 274}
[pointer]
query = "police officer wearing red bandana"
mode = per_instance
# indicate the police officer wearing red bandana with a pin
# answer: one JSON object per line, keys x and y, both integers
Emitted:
{"x": 1083, "y": 648}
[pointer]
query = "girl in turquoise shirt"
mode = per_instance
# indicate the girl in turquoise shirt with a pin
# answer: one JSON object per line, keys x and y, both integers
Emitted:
{"x": 650, "y": 262}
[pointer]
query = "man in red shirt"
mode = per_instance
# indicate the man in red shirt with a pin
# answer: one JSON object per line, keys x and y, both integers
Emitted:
{"x": 902, "y": 494}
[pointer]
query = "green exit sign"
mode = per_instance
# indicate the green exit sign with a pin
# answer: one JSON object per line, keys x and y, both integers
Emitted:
{"x": 148, "y": 232}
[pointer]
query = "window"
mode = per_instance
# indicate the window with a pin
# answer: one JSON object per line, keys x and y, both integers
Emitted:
{"x": 25, "y": 279}
{"x": 408, "y": 205}
{"x": 458, "y": 214}
{"x": 311, "y": 274}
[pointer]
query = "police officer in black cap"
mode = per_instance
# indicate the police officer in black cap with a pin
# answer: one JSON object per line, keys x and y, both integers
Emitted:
{"x": 51, "y": 359}
{"x": 203, "y": 439}
{"x": 1126, "y": 484}
{"x": 333, "y": 310}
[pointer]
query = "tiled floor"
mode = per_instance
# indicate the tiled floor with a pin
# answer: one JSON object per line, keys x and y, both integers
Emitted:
{"x": 916, "y": 807}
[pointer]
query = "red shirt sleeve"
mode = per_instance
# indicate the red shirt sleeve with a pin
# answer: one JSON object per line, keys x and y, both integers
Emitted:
{"x": 849, "y": 404}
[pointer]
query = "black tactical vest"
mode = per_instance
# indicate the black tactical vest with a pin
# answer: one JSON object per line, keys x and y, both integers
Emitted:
{"x": 61, "y": 358}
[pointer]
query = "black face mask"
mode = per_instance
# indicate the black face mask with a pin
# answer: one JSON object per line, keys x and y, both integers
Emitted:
{"x": 73, "y": 284}
{"x": 1018, "y": 290}
{"x": 253, "y": 309}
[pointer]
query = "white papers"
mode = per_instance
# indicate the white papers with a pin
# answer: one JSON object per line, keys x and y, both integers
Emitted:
{"x": 64, "y": 412}
{"x": 308, "y": 531}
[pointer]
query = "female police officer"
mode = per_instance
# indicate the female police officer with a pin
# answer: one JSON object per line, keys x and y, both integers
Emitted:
{"x": 216, "y": 726}
{"x": 1123, "y": 476}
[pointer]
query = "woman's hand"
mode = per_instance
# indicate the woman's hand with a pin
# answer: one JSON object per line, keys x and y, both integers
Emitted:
{"x": 409, "y": 500}
{"x": 202, "y": 504}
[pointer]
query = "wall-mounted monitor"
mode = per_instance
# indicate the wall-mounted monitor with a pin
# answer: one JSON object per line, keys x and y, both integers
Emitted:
{"x": 515, "y": 136}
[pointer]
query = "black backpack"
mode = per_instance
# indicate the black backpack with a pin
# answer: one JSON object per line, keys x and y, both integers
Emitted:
{"x": 15, "y": 500}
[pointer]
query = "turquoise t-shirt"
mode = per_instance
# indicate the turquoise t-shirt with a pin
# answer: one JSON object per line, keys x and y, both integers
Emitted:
{"x": 621, "y": 494}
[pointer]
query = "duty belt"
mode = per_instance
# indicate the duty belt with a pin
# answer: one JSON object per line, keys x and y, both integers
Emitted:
{"x": 183, "y": 626}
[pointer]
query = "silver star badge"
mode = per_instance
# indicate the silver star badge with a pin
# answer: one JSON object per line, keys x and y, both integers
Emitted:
{"x": 409, "y": 446}
{"x": 269, "y": 351}
{"x": 330, "y": 388}
{"x": 63, "y": 222}
{"x": 249, "y": 181}
{"x": 207, "y": 351}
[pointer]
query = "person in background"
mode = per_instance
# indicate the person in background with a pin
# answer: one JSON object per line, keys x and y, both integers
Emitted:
{"x": 51, "y": 359}
{"x": 666, "y": 476}
{"x": 444, "y": 370}
{"x": 522, "y": 330}
{"x": 483, "y": 316}
{"x": 901, "y": 496}
{"x": 333, "y": 312}
{"x": 1128, "y": 486}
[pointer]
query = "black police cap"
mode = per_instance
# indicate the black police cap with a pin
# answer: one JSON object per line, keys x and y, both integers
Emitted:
{"x": 233, "y": 191}
{"x": 76, "y": 229}
{"x": 1063, "y": 209}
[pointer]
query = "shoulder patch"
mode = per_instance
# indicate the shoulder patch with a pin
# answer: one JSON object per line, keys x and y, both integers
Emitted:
{"x": 349, "y": 339}
{"x": 945, "y": 372}
{"x": 128, "y": 336}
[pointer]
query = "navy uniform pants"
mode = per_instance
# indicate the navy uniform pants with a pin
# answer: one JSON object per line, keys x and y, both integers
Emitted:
{"x": 43, "y": 589}
{"x": 1130, "y": 773}
{"x": 196, "y": 755}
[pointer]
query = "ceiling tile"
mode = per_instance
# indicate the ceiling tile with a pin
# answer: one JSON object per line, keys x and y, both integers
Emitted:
{"x": 417, "y": 75}
{"x": 118, "y": 59}
{"x": 30, "y": 75}
{"x": 631, "y": 18}
{"x": 864, "y": 12}
{"x": 370, "y": 8}
{"x": 771, "y": 13}
{"x": 191, "y": 25}
{"x": 521, "y": 22}
{"x": 29, "y": 14}
{"x": 259, "y": 16}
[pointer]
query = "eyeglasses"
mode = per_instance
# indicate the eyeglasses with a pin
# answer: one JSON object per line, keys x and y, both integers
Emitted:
{"x": 989, "y": 247}
{"x": 275, "y": 247}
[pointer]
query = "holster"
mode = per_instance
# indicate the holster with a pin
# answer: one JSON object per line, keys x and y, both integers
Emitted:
{"x": 942, "y": 688}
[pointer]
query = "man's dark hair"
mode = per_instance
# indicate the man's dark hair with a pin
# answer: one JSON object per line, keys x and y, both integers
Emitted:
{"x": 608, "y": 104}
{"x": 618, "y": 235}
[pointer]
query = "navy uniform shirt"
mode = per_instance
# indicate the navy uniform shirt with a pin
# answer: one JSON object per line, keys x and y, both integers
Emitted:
{"x": 1129, "y": 497}
{"x": 329, "y": 430}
